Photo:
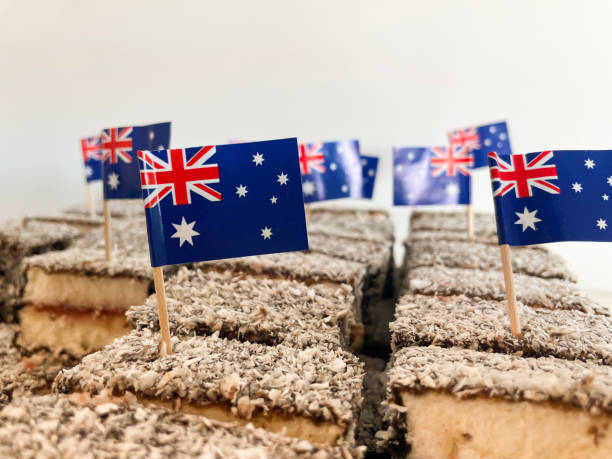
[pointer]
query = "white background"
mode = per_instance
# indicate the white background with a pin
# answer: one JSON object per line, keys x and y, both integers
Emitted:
{"x": 384, "y": 72}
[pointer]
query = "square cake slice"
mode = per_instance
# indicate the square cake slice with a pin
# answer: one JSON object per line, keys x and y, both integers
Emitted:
{"x": 312, "y": 394}
{"x": 470, "y": 323}
{"x": 308, "y": 267}
{"x": 18, "y": 241}
{"x": 106, "y": 426}
{"x": 473, "y": 255}
{"x": 463, "y": 403}
{"x": 75, "y": 300}
{"x": 238, "y": 306}
{"x": 532, "y": 291}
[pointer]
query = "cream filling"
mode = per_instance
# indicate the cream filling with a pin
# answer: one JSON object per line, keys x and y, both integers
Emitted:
{"x": 295, "y": 426}
{"x": 77, "y": 333}
{"x": 440, "y": 425}
{"x": 78, "y": 291}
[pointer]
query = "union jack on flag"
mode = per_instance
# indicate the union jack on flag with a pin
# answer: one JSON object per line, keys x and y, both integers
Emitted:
{"x": 558, "y": 196}
{"x": 479, "y": 140}
{"x": 179, "y": 176}
{"x": 120, "y": 173}
{"x": 90, "y": 148}
{"x": 331, "y": 170}
{"x": 227, "y": 201}
{"x": 520, "y": 175}
{"x": 450, "y": 160}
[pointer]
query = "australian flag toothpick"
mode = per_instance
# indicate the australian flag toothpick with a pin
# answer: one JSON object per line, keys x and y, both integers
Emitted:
{"x": 480, "y": 140}
{"x": 369, "y": 165}
{"x": 551, "y": 196}
{"x": 431, "y": 176}
{"x": 92, "y": 155}
{"x": 120, "y": 172}
{"x": 331, "y": 170}
{"x": 224, "y": 201}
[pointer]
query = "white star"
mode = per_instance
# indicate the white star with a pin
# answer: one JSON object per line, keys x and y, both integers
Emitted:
{"x": 399, "y": 168}
{"x": 499, "y": 144}
{"x": 151, "y": 135}
{"x": 452, "y": 189}
{"x": 258, "y": 159}
{"x": 410, "y": 155}
{"x": 283, "y": 178}
{"x": 333, "y": 166}
{"x": 488, "y": 142}
{"x": 371, "y": 172}
{"x": 527, "y": 219}
{"x": 589, "y": 163}
{"x": 308, "y": 187}
{"x": 601, "y": 224}
{"x": 364, "y": 162}
{"x": 88, "y": 171}
{"x": 577, "y": 187}
{"x": 184, "y": 232}
{"x": 605, "y": 197}
{"x": 492, "y": 129}
{"x": 113, "y": 181}
{"x": 609, "y": 180}
{"x": 273, "y": 199}
{"x": 241, "y": 191}
{"x": 340, "y": 149}
{"x": 344, "y": 188}
{"x": 266, "y": 233}
{"x": 503, "y": 136}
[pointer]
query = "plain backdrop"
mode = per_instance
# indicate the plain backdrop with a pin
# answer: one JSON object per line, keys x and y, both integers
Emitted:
{"x": 385, "y": 72}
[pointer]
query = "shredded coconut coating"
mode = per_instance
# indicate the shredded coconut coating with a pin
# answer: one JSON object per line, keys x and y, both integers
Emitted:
{"x": 111, "y": 427}
{"x": 83, "y": 222}
{"x": 92, "y": 262}
{"x": 18, "y": 241}
{"x": 466, "y": 373}
{"x": 129, "y": 234}
{"x": 489, "y": 285}
{"x": 425, "y": 220}
{"x": 484, "y": 325}
{"x": 472, "y": 255}
{"x": 321, "y": 384}
{"x": 269, "y": 311}
{"x": 120, "y": 208}
{"x": 22, "y": 374}
{"x": 448, "y": 235}
{"x": 362, "y": 224}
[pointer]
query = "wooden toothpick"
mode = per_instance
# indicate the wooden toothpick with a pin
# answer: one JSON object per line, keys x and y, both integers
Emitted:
{"x": 515, "y": 323}
{"x": 470, "y": 222}
{"x": 91, "y": 201}
{"x": 165, "y": 347}
{"x": 107, "y": 230}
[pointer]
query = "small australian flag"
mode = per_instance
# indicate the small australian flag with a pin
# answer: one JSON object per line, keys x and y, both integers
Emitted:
{"x": 92, "y": 155}
{"x": 424, "y": 176}
{"x": 120, "y": 172}
{"x": 552, "y": 196}
{"x": 480, "y": 140}
{"x": 331, "y": 170}
{"x": 224, "y": 201}
{"x": 369, "y": 167}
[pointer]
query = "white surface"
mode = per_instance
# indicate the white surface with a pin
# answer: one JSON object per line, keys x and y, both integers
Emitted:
{"x": 388, "y": 72}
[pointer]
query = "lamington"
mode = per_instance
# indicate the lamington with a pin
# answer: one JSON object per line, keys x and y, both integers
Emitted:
{"x": 463, "y": 403}
{"x": 376, "y": 256}
{"x": 312, "y": 394}
{"x": 128, "y": 234}
{"x": 484, "y": 325}
{"x": 22, "y": 373}
{"x": 308, "y": 267}
{"x": 532, "y": 291}
{"x": 105, "y": 426}
{"x": 18, "y": 241}
{"x": 425, "y": 220}
{"x": 268, "y": 311}
{"x": 75, "y": 300}
{"x": 362, "y": 224}
{"x": 473, "y": 255}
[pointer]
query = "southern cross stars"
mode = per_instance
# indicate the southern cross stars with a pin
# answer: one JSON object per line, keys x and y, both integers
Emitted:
{"x": 577, "y": 187}
{"x": 266, "y": 233}
{"x": 601, "y": 224}
{"x": 308, "y": 187}
{"x": 113, "y": 181}
{"x": 283, "y": 178}
{"x": 258, "y": 159}
{"x": 589, "y": 163}
{"x": 241, "y": 191}
{"x": 273, "y": 199}
{"x": 184, "y": 232}
{"x": 609, "y": 180}
{"x": 527, "y": 219}
{"x": 605, "y": 197}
